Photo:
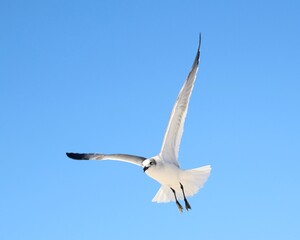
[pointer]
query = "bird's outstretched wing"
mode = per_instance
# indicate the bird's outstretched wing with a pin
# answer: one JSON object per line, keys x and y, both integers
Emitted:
{"x": 172, "y": 138}
{"x": 117, "y": 157}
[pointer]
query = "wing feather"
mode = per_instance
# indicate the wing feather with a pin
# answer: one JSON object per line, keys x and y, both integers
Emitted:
{"x": 137, "y": 160}
{"x": 172, "y": 138}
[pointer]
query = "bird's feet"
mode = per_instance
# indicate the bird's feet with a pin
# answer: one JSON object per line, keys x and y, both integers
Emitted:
{"x": 180, "y": 208}
{"x": 187, "y": 204}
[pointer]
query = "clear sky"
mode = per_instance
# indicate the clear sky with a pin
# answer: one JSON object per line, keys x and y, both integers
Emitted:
{"x": 102, "y": 76}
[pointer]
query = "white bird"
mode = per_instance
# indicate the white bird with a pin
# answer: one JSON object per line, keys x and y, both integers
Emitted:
{"x": 176, "y": 183}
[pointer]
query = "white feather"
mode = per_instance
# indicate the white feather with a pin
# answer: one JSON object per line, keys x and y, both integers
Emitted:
{"x": 192, "y": 180}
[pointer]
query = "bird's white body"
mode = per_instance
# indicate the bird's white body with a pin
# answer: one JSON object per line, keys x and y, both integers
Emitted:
{"x": 170, "y": 176}
{"x": 164, "y": 172}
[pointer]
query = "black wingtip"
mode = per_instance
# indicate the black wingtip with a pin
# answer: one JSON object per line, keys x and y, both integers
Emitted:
{"x": 197, "y": 58}
{"x": 77, "y": 156}
{"x": 199, "y": 41}
{"x": 70, "y": 155}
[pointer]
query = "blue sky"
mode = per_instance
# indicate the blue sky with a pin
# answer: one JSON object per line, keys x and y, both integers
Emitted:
{"x": 102, "y": 76}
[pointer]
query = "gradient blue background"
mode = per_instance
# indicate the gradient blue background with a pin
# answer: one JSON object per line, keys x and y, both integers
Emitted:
{"x": 102, "y": 76}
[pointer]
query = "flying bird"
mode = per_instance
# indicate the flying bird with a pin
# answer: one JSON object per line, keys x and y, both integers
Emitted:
{"x": 176, "y": 183}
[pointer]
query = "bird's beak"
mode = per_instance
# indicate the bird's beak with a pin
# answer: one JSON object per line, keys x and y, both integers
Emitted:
{"x": 145, "y": 169}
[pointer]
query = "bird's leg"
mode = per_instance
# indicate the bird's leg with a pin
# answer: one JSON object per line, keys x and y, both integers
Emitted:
{"x": 187, "y": 205}
{"x": 180, "y": 208}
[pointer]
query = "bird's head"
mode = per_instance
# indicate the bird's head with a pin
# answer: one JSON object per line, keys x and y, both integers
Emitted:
{"x": 148, "y": 163}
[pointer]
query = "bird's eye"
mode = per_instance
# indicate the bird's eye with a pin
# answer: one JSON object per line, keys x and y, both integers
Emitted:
{"x": 151, "y": 163}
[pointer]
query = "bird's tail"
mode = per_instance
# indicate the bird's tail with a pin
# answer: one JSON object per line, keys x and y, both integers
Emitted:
{"x": 192, "y": 180}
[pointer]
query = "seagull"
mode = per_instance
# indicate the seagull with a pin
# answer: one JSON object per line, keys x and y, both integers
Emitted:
{"x": 176, "y": 183}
